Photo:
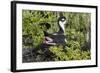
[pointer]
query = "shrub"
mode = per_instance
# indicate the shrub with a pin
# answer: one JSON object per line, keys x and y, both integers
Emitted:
{"x": 76, "y": 29}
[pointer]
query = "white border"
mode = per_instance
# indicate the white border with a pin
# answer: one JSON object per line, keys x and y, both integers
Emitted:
{"x": 36, "y": 65}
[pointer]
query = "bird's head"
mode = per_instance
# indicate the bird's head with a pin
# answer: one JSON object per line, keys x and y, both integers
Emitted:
{"x": 62, "y": 21}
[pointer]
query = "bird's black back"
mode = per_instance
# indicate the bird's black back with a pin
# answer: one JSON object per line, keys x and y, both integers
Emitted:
{"x": 58, "y": 39}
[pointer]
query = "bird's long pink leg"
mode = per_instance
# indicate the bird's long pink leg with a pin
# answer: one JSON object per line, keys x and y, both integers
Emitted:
{"x": 49, "y": 41}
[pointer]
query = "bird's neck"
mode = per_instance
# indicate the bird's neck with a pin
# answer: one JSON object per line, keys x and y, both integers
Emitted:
{"x": 61, "y": 31}
{"x": 61, "y": 26}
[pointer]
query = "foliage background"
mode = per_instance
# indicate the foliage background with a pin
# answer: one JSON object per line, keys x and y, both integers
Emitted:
{"x": 77, "y": 32}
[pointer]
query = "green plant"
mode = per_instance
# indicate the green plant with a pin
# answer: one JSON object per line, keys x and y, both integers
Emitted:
{"x": 75, "y": 31}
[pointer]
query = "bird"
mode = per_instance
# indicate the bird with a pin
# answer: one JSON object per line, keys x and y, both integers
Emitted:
{"x": 57, "y": 38}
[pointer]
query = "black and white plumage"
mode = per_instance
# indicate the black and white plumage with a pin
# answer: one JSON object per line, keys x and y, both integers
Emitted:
{"x": 58, "y": 37}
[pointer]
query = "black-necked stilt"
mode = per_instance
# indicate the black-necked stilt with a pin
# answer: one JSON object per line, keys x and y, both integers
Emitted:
{"x": 58, "y": 37}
